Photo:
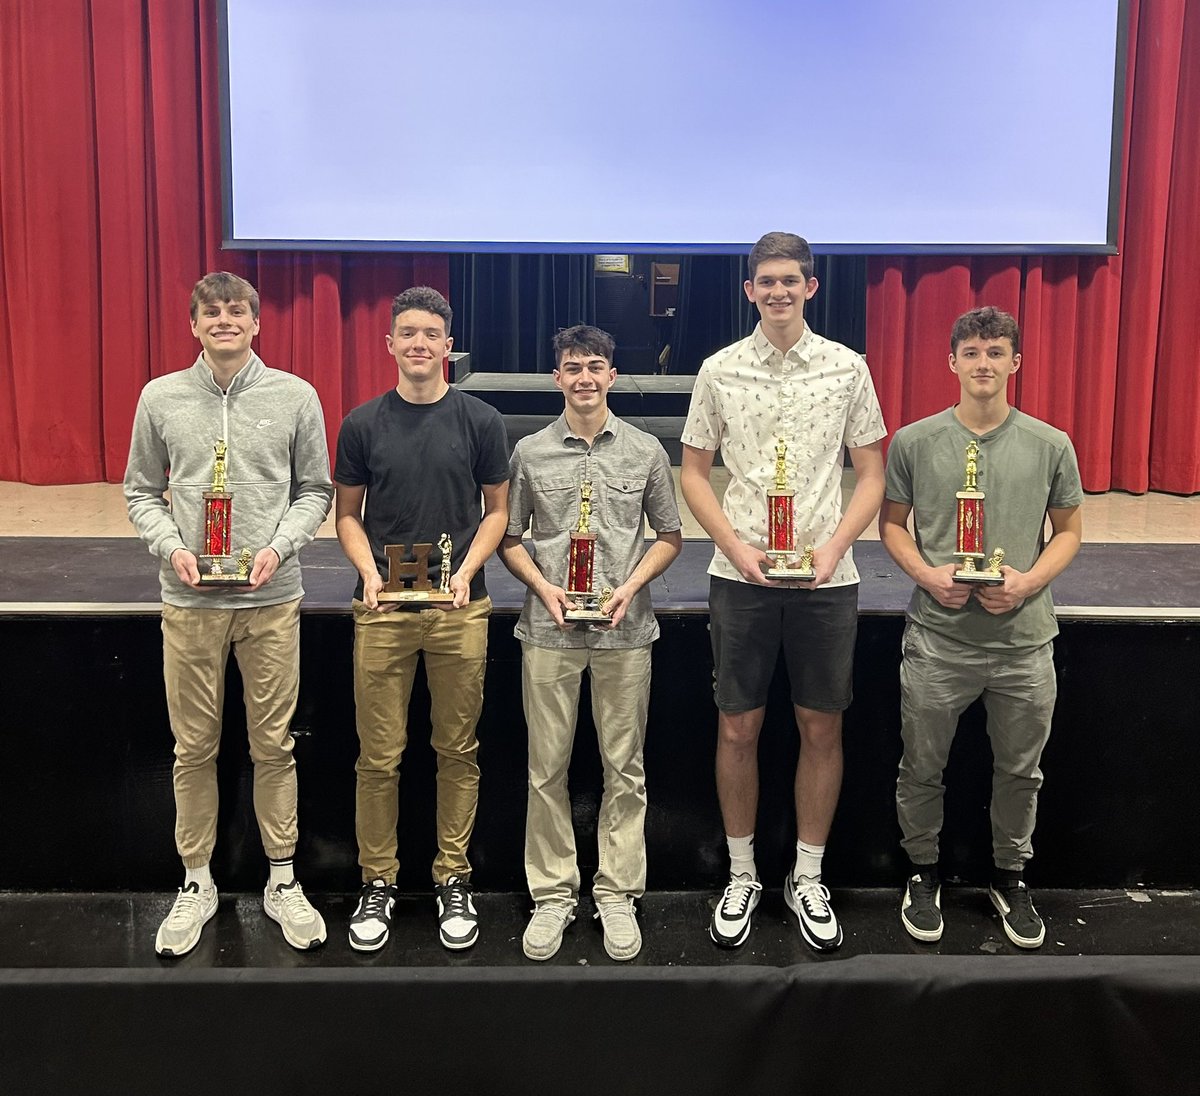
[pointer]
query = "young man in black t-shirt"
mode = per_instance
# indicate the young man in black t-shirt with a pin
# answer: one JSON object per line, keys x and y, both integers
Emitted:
{"x": 412, "y": 466}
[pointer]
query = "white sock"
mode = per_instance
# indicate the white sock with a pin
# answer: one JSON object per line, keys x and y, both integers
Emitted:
{"x": 808, "y": 861}
{"x": 201, "y": 876}
{"x": 282, "y": 873}
{"x": 741, "y": 856}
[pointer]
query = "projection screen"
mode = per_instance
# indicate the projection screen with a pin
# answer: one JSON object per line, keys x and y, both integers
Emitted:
{"x": 672, "y": 125}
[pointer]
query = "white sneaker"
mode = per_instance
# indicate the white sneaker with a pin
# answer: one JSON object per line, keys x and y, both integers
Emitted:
{"x": 544, "y": 934}
{"x": 622, "y": 937}
{"x": 808, "y": 899}
{"x": 731, "y": 919}
{"x": 302, "y": 926}
{"x": 180, "y": 930}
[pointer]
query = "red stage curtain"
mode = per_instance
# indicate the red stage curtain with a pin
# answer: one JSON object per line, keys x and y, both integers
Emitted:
{"x": 110, "y": 211}
{"x": 1108, "y": 343}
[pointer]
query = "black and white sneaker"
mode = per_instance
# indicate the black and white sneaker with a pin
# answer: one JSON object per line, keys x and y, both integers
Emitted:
{"x": 808, "y": 899}
{"x": 1022, "y": 923}
{"x": 458, "y": 923}
{"x": 371, "y": 921}
{"x": 921, "y": 907}
{"x": 731, "y": 919}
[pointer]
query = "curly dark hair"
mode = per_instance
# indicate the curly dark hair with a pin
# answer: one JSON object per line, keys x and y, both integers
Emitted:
{"x": 985, "y": 323}
{"x": 424, "y": 298}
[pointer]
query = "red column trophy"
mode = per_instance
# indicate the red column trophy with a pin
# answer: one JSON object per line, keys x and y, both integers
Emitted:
{"x": 970, "y": 528}
{"x": 581, "y": 566}
{"x": 780, "y": 535}
{"x": 223, "y": 569}
{"x": 401, "y": 572}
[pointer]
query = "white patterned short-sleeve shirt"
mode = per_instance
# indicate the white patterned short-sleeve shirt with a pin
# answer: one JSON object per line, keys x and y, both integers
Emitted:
{"x": 818, "y": 397}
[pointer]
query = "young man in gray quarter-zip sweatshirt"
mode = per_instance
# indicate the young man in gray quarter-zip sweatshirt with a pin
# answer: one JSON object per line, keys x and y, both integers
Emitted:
{"x": 270, "y": 432}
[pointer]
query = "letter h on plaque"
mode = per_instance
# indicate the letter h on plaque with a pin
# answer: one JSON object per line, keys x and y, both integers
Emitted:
{"x": 401, "y": 572}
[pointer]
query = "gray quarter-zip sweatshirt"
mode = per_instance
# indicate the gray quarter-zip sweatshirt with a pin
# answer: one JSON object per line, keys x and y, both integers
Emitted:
{"x": 277, "y": 470}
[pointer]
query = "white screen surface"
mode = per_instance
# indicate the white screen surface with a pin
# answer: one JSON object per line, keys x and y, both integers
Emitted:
{"x": 670, "y": 124}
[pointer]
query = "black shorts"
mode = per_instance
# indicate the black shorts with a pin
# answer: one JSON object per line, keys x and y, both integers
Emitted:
{"x": 816, "y": 629}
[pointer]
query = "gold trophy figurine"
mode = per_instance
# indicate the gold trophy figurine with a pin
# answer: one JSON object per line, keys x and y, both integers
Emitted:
{"x": 402, "y": 573}
{"x": 969, "y": 547}
{"x": 445, "y": 544}
{"x": 222, "y": 569}
{"x": 781, "y": 545}
{"x": 581, "y": 566}
{"x": 220, "y": 451}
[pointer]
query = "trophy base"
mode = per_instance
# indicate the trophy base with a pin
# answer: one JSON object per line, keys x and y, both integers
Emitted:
{"x": 586, "y": 616}
{"x": 978, "y": 578}
{"x": 792, "y": 574}
{"x": 783, "y": 564}
{"x": 416, "y": 597}
{"x": 217, "y": 575}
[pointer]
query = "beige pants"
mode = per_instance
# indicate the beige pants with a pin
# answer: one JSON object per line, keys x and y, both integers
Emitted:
{"x": 386, "y": 648}
{"x": 266, "y": 643}
{"x": 620, "y": 681}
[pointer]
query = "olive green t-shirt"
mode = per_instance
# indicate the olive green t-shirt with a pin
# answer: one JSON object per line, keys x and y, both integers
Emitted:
{"x": 1025, "y": 467}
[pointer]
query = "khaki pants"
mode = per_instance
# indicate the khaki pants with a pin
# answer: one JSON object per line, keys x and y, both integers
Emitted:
{"x": 620, "y": 700}
{"x": 386, "y": 648}
{"x": 266, "y": 643}
{"x": 939, "y": 678}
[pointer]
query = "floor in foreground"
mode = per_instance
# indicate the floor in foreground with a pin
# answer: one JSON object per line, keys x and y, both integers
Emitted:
{"x": 117, "y": 930}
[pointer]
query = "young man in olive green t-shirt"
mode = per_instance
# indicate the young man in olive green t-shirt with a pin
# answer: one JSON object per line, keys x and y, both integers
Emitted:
{"x": 963, "y": 641}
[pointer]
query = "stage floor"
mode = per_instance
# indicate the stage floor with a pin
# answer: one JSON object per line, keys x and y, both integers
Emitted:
{"x": 97, "y": 1012}
{"x": 81, "y": 931}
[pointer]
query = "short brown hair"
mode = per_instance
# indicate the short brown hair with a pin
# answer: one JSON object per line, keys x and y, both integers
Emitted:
{"x": 985, "y": 323}
{"x": 423, "y": 298}
{"x": 223, "y": 287}
{"x": 585, "y": 339}
{"x": 782, "y": 245}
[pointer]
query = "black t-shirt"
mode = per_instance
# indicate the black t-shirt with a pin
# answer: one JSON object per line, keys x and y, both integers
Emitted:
{"x": 423, "y": 466}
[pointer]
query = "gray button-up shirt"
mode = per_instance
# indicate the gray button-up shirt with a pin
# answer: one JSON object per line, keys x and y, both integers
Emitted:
{"x": 631, "y": 481}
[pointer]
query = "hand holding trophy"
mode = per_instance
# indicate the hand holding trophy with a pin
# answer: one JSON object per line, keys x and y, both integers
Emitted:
{"x": 970, "y": 528}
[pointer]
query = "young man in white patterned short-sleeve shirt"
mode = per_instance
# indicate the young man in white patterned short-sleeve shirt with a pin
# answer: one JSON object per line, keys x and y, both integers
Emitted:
{"x": 782, "y": 383}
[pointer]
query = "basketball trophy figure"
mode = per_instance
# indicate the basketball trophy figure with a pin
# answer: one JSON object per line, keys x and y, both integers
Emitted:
{"x": 222, "y": 570}
{"x": 786, "y": 562}
{"x": 970, "y": 528}
{"x": 581, "y": 567}
{"x": 402, "y": 572}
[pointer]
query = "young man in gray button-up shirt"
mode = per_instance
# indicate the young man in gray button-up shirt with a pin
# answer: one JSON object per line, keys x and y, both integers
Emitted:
{"x": 630, "y": 480}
